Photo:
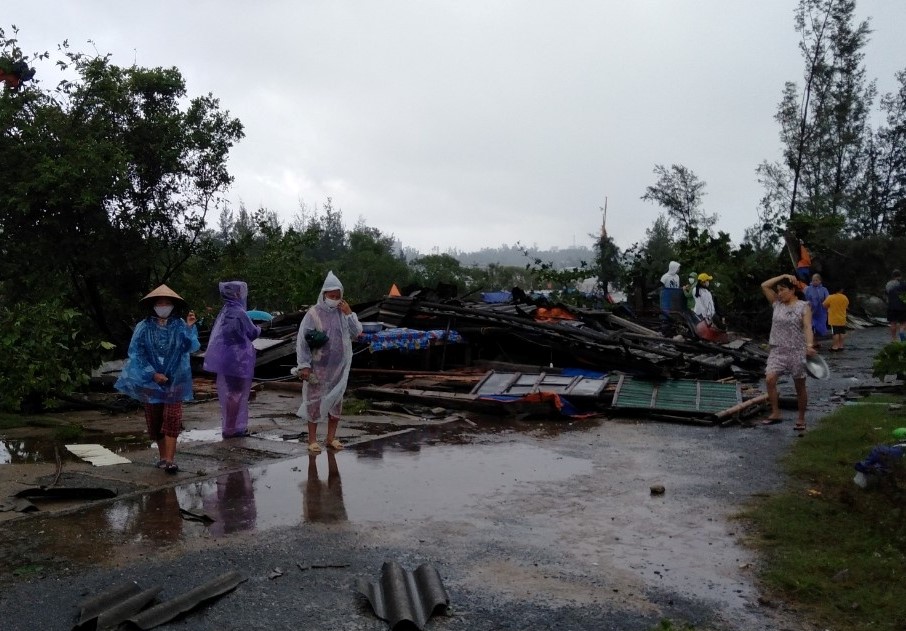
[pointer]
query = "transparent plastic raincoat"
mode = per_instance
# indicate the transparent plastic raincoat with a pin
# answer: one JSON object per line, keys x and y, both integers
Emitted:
{"x": 322, "y": 395}
{"x": 231, "y": 355}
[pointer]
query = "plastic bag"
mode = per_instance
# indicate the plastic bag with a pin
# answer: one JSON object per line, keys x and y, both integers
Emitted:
{"x": 316, "y": 339}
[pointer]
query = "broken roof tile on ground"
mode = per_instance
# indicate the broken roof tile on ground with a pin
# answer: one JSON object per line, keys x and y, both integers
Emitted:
{"x": 405, "y": 598}
{"x": 125, "y": 604}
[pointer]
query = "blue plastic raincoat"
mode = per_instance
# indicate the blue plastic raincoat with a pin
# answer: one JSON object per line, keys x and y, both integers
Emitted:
{"x": 159, "y": 348}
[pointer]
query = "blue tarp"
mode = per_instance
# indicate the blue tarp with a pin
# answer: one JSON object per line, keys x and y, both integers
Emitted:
{"x": 407, "y": 339}
{"x": 494, "y": 297}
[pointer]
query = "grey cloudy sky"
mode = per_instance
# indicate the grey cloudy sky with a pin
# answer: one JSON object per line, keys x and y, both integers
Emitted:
{"x": 475, "y": 123}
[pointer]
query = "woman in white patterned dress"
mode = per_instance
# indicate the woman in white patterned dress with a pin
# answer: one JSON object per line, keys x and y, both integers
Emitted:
{"x": 791, "y": 342}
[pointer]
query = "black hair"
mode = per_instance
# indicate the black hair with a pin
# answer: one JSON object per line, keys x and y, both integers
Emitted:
{"x": 785, "y": 282}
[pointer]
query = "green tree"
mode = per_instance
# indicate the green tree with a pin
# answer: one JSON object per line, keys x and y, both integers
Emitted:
{"x": 369, "y": 265}
{"x": 108, "y": 181}
{"x": 680, "y": 192}
{"x": 608, "y": 262}
{"x": 647, "y": 261}
{"x": 887, "y": 187}
{"x": 823, "y": 127}
{"x": 433, "y": 269}
{"x": 48, "y": 350}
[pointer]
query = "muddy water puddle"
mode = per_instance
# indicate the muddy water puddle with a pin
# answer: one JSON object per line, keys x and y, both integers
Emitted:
{"x": 397, "y": 483}
{"x": 38, "y": 450}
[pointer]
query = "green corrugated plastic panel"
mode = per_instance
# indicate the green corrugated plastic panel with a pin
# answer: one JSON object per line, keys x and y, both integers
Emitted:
{"x": 678, "y": 395}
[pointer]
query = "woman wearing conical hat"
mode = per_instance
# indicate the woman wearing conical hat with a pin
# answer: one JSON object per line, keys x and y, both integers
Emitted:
{"x": 157, "y": 372}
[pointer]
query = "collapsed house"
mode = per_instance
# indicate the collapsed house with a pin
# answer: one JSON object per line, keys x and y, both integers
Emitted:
{"x": 523, "y": 358}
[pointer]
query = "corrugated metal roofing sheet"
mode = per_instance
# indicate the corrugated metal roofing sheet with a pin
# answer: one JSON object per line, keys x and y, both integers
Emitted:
{"x": 518, "y": 384}
{"x": 405, "y": 598}
{"x": 679, "y": 395}
{"x": 124, "y": 604}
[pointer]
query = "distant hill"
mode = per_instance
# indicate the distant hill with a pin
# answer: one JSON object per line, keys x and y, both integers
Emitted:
{"x": 514, "y": 256}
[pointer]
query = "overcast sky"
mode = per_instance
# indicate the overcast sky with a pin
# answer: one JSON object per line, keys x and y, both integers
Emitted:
{"x": 474, "y": 123}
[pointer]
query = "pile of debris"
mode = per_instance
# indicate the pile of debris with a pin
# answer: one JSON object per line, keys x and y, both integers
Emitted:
{"x": 523, "y": 358}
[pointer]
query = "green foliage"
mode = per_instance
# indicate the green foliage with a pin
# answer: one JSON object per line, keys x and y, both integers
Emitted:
{"x": 107, "y": 181}
{"x": 353, "y": 406}
{"x": 890, "y": 360}
{"x": 45, "y": 349}
{"x": 368, "y": 266}
{"x": 680, "y": 192}
{"x": 608, "y": 263}
{"x": 646, "y": 262}
{"x": 496, "y": 277}
{"x": 833, "y": 549}
{"x": 837, "y": 173}
{"x": 68, "y": 433}
{"x": 434, "y": 269}
{"x": 561, "y": 282}
{"x": 285, "y": 268}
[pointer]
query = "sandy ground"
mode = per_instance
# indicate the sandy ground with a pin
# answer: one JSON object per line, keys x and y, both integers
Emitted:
{"x": 532, "y": 525}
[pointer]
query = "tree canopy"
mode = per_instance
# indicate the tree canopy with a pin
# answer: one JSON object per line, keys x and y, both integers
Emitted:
{"x": 107, "y": 181}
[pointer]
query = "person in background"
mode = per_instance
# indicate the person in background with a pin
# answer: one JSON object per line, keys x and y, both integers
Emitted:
{"x": 704, "y": 301}
{"x": 157, "y": 371}
{"x": 804, "y": 264}
{"x": 815, "y": 294}
{"x": 689, "y": 290}
{"x": 323, "y": 358}
{"x": 670, "y": 279}
{"x": 836, "y": 305}
{"x": 231, "y": 355}
{"x": 791, "y": 341}
{"x": 896, "y": 308}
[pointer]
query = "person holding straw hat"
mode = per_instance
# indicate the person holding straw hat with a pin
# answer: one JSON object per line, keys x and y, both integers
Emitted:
{"x": 157, "y": 371}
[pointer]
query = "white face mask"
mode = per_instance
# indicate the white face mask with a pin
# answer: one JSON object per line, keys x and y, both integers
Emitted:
{"x": 163, "y": 312}
{"x": 331, "y": 302}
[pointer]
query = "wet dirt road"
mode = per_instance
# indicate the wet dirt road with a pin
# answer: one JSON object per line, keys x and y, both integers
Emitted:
{"x": 532, "y": 525}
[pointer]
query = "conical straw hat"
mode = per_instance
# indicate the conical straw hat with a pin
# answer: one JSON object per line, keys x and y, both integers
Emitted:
{"x": 162, "y": 292}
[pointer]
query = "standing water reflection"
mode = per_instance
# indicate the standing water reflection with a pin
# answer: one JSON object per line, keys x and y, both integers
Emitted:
{"x": 323, "y": 500}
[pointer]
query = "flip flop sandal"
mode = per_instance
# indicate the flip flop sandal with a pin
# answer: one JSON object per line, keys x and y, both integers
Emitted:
{"x": 799, "y": 427}
{"x": 161, "y": 464}
{"x": 314, "y": 448}
{"x": 772, "y": 421}
{"x": 172, "y": 468}
{"x": 335, "y": 445}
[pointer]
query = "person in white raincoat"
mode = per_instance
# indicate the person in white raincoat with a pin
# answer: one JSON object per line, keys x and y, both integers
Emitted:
{"x": 323, "y": 364}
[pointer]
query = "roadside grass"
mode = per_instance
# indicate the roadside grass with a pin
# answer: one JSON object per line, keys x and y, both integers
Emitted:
{"x": 353, "y": 406}
{"x": 835, "y": 551}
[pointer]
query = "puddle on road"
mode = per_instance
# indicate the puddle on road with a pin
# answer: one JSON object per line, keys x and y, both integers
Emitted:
{"x": 38, "y": 450}
{"x": 394, "y": 483}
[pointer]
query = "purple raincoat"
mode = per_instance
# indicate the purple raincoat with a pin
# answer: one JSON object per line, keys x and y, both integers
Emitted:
{"x": 816, "y": 295}
{"x": 231, "y": 355}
